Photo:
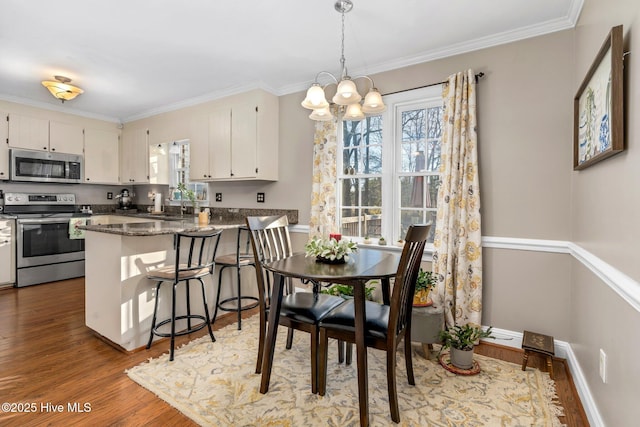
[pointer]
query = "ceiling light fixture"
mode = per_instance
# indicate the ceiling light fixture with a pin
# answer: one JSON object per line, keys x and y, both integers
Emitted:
{"x": 347, "y": 96}
{"x": 61, "y": 88}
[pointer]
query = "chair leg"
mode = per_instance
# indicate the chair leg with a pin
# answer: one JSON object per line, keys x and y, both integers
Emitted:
{"x": 206, "y": 311}
{"x": 340, "y": 351}
{"x": 215, "y": 311}
{"x": 322, "y": 361}
{"x": 155, "y": 313}
{"x": 239, "y": 299}
{"x": 408, "y": 360}
{"x": 314, "y": 360}
{"x": 173, "y": 321}
{"x": 349, "y": 355}
{"x": 391, "y": 384}
{"x": 261, "y": 339}
{"x": 188, "y": 305}
{"x": 289, "y": 339}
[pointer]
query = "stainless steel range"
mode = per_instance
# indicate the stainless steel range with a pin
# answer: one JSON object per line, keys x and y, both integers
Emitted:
{"x": 45, "y": 251}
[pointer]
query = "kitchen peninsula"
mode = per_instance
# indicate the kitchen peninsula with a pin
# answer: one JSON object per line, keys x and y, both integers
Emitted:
{"x": 120, "y": 251}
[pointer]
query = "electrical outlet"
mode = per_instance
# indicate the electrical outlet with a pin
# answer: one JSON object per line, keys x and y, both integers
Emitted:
{"x": 109, "y": 195}
{"x": 218, "y": 197}
{"x": 603, "y": 366}
{"x": 260, "y": 198}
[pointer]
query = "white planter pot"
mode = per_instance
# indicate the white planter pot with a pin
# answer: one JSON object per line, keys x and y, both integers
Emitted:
{"x": 462, "y": 359}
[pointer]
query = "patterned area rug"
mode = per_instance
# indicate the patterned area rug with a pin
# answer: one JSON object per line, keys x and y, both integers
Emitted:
{"x": 214, "y": 384}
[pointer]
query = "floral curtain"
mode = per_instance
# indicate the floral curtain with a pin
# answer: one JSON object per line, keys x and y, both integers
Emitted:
{"x": 323, "y": 190}
{"x": 457, "y": 257}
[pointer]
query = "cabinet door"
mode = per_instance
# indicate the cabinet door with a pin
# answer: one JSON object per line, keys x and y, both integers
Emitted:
{"x": 4, "y": 146}
{"x": 28, "y": 132}
{"x": 244, "y": 141}
{"x": 101, "y": 156}
{"x": 199, "y": 169}
{"x": 65, "y": 138}
{"x": 135, "y": 156}
{"x": 7, "y": 257}
{"x": 220, "y": 143}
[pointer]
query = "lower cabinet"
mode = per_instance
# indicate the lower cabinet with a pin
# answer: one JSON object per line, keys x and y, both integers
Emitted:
{"x": 7, "y": 252}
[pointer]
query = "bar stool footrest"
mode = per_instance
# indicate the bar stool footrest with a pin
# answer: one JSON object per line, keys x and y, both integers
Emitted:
{"x": 235, "y": 300}
{"x": 184, "y": 332}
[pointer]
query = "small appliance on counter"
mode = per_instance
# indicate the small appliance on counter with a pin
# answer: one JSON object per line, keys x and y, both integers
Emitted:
{"x": 125, "y": 199}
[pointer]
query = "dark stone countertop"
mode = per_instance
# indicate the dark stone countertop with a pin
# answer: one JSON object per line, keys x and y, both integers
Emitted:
{"x": 158, "y": 227}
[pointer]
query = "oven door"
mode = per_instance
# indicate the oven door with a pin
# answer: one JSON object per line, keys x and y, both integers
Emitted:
{"x": 45, "y": 241}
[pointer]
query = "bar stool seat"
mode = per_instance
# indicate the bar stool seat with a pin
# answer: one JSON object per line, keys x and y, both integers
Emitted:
{"x": 243, "y": 257}
{"x": 202, "y": 247}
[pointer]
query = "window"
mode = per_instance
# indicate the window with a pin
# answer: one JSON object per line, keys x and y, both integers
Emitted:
{"x": 388, "y": 171}
{"x": 179, "y": 172}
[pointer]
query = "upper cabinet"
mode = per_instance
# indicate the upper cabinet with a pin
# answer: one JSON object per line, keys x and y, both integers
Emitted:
{"x": 134, "y": 159}
{"x": 101, "y": 156}
{"x": 45, "y": 135}
{"x": 242, "y": 142}
{"x": 4, "y": 146}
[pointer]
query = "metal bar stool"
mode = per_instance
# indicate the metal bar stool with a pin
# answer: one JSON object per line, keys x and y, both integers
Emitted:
{"x": 243, "y": 257}
{"x": 200, "y": 262}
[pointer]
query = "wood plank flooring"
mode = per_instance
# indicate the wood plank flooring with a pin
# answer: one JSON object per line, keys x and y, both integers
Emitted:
{"x": 48, "y": 357}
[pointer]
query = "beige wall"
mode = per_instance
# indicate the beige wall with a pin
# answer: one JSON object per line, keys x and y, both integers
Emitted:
{"x": 606, "y": 207}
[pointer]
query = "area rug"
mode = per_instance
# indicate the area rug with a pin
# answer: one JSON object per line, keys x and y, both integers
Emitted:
{"x": 214, "y": 384}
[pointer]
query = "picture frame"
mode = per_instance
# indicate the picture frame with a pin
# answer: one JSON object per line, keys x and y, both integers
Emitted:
{"x": 598, "y": 107}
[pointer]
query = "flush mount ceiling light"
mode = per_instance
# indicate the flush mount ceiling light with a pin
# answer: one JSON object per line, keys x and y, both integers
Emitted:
{"x": 61, "y": 88}
{"x": 347, "y": 96}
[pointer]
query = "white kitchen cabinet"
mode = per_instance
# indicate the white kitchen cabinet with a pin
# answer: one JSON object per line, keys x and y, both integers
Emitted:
{"x": 200, "y": 158}
{"x": 45, "y": 135}
{"x": 243, "y": 140}
{"x": 134, "y": 159}
{"x": 4, "y": 146}
{"x": 101, "y": 156}
{"x": 7, "y": 251}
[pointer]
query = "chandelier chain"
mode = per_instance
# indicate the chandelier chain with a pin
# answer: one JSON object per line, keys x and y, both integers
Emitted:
{"x": 342, "y": 60}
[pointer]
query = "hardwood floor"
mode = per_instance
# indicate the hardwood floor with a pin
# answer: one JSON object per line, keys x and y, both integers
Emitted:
{"x": 48, "y": 357}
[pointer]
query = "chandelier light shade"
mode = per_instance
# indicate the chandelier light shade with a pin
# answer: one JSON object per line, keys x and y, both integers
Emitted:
{"x": 61, "y": 89}
{"x": 346, "y": 95}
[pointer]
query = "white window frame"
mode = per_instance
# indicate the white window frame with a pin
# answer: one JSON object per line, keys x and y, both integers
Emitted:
{"x": 391, "y": 157}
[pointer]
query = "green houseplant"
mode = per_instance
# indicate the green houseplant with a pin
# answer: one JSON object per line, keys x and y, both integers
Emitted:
{"x": 424, "y": 283}
{"x": 184, "y": 191}
{"x": 461, "y": 340}
{"x": 330, "y": 251}
{"x": 345, "y": 291}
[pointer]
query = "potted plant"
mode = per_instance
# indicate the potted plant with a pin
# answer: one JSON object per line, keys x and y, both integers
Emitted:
{"x": 366, "y": 240}
{"x": 461, "y": 340}
{"x": 330, "y": 251}
{"x": 190, "y": 195}
{"x": 382, "y": 241}
{"x": 346, "y": 292}
{"x": 424, "y": 283}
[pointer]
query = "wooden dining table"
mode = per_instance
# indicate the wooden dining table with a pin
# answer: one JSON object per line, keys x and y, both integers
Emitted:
{"x": 362, "y": 266}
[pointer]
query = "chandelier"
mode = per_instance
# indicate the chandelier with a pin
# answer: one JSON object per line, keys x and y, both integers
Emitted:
{"x": 61, "y": 88}
{"x": 346, "y": 97}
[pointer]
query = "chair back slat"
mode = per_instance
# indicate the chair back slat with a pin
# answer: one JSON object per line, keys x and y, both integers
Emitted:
{"x": 405, "y": 279}
{"x": 270, "y": 241}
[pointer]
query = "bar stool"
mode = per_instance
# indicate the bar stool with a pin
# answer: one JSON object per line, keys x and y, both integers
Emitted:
{"x": 243, "y": 257}
{"x": 202, "y": 247}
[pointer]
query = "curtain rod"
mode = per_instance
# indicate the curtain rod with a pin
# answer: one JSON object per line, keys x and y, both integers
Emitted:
{"x": 477, "y": 76}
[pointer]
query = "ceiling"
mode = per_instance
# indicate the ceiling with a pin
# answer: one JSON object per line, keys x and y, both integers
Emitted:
{"x": 135, "y": 58}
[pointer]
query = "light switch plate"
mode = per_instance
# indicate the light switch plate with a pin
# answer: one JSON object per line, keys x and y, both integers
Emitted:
{"x": 260, "y": 198}
{"x": 218, "y": 197}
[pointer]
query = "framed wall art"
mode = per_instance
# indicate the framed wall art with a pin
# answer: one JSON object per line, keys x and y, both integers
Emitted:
{"x": 598, "y": 107}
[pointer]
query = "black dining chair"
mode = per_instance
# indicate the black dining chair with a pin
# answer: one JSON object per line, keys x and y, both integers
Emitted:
{"x": 299, "y": 310}
{"x": 196, "y": 264}
{"x": 385, "y": 325}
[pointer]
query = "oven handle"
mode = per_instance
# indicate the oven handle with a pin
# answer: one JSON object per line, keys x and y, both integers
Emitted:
{"x": 43, "y": 220}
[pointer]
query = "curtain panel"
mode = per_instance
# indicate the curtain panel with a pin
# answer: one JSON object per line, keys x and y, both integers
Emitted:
{"x": 323, "y": 188}
{"x": 457, "y": 258}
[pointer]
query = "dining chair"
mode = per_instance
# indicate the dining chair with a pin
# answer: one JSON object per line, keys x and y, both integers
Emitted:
{"x": 385, "y": 325}
{"x": 198, "y": 263}
{"x": 299, "y": 310}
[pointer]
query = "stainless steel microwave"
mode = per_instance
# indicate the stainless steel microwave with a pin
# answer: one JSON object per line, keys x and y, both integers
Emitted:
{"x": 43, "y": 166}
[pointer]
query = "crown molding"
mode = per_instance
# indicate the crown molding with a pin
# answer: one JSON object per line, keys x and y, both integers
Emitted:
{"x": 61, "y": 109}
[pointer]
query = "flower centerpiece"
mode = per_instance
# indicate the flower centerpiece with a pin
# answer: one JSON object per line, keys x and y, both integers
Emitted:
{"x": 330, "y": 251}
